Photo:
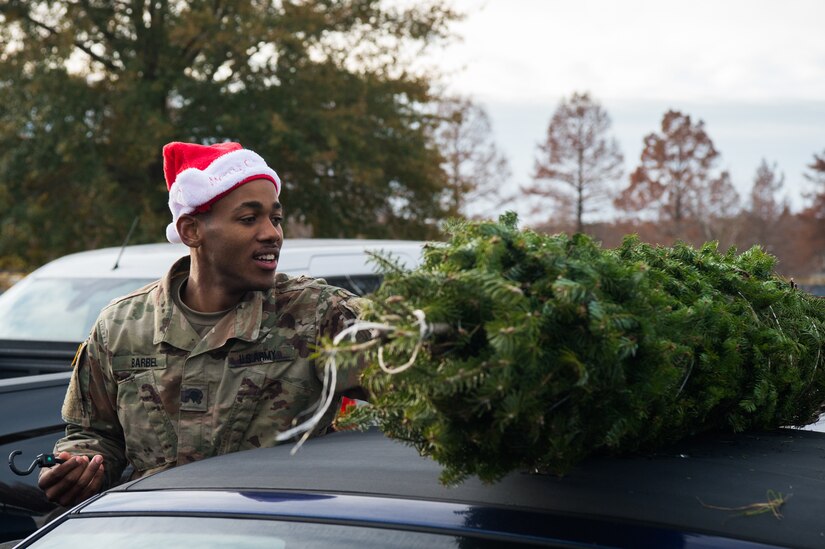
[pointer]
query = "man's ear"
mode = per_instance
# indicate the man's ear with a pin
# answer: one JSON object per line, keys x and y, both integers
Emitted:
{"x": 190, "y": 229}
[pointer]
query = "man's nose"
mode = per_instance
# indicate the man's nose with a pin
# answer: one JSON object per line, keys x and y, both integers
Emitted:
{"x": 271, "y": 231}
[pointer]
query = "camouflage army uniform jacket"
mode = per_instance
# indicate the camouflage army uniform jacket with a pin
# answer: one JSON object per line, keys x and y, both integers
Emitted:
{"x": 147, "y": 390}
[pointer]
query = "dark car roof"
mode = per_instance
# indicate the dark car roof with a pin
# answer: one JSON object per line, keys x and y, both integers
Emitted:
{"x": 675, "y": 489}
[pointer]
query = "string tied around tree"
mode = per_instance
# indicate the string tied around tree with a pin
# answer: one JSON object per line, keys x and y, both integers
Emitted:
{"x": 379, "y": 332}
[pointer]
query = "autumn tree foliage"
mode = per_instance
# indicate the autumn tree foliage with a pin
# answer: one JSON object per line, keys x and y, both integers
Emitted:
{"x": 766, "y": 210}
{"x": 816, "y": 175}
{"x": 578, "y": 159}
{"x": 476, "y": 170}
{"x": 813, "y": 217}
{"x": 327, "y": 91}
{"x": 678, "y": 183}
{"x": 765, "y": 203}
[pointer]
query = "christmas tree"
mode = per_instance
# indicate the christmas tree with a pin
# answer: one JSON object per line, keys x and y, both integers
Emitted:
{"x": 532, "y": 352}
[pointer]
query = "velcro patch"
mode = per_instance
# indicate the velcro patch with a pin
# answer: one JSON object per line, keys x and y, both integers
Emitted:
{"x": 193, "y": 398}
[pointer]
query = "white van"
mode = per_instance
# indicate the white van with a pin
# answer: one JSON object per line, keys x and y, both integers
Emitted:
{"x": 60, "y": 301}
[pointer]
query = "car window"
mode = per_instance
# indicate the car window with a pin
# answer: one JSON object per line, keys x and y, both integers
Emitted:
{"x": 357, "y": 284}
{"x": 205, "y": 533}
{"x": 58, "y": 309}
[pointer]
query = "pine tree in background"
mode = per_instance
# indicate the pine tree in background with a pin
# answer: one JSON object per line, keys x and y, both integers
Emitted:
{"x": 548, "y": 349}
{"x": 333, "y": 94}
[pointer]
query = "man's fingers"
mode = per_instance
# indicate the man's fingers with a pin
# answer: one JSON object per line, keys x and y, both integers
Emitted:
{"x": 90, "y": 471}
{"x": 64, "y": 492}
{"x": 51, "y": 476}
{"x": 78, "y": 486}
{"x": 88, "y": 477}
{"x": 95, "y": 483}
{"x": 73, "y": 481}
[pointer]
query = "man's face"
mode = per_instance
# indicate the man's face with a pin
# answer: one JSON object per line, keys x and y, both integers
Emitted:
{"x": 242, "y": 238}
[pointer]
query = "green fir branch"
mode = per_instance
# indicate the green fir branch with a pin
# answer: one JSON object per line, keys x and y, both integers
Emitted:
{"x": 549, "y": 349}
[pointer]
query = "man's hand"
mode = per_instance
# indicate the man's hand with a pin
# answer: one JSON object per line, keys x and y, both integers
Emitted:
{"x": 74, "y": 481}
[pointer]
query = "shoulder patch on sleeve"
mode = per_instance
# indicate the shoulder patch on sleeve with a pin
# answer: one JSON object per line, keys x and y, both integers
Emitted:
{"x": 75, "y": 409}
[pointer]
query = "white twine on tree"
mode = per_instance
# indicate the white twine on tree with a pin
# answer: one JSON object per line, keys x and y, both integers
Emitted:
{"x": 331, "y": 373}
{"x": 423, "y": 331}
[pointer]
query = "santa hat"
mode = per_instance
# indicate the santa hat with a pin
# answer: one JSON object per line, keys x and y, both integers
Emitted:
{"x": 197, "y": 176}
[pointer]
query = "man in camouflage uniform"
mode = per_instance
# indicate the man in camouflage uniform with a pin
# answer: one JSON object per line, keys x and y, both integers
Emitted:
{"x": 213, "y": 358}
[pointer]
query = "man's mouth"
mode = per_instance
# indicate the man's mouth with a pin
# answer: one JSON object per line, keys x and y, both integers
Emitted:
{"x": 266, "y": 260}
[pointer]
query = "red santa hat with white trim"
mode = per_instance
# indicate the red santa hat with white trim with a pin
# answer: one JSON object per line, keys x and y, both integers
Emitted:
{"x": 197, "y": 176}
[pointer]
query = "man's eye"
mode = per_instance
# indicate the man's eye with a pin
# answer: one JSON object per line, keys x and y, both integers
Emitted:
{"x": 276, "y": 220}
{"x": 248, "y": 219}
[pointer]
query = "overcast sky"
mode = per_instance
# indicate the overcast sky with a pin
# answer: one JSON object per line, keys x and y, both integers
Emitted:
{"x": 753, "y": 70}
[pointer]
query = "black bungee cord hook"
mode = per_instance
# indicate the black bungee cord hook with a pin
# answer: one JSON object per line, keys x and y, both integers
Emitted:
{"x": 42, "y": 460}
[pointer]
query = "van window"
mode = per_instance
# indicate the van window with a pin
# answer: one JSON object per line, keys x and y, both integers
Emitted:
{"x": 357, "y": 284}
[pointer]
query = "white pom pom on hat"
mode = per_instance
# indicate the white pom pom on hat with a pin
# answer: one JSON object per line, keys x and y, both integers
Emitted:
{"x": 197, "y": 176}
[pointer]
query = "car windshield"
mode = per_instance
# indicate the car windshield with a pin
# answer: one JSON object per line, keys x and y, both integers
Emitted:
{"x": 204, "y": 533}
{"x": 58, "y": 309}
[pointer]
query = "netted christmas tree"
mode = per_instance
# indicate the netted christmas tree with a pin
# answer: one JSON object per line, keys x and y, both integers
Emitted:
{"x": 542, "y": 350}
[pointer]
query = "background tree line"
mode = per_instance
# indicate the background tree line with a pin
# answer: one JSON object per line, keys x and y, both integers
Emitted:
{"x": 325, "y": 90}
{"x": 366, "y": 142}
{"x": 675, "y": 192}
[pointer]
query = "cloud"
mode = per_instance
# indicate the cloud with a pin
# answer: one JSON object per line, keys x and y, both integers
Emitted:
{"x": 698, "y": 50}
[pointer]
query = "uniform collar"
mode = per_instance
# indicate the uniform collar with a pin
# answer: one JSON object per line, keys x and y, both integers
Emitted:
{"x": 243, "y": 322}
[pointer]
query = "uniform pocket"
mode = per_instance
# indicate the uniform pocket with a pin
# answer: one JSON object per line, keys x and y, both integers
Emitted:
{"x": 266, "y": 399}
{"x": 248, "y": 385}
{"x": 149, "y": 434}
